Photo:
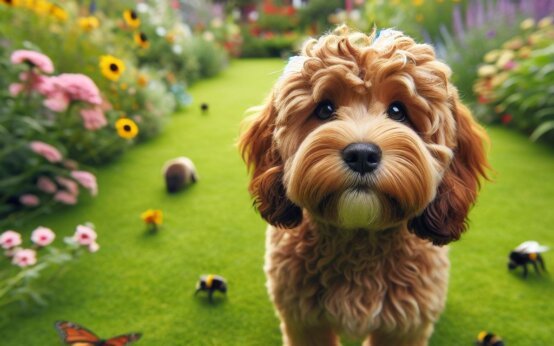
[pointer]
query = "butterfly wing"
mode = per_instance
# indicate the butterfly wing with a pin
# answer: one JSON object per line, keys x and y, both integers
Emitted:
{"x": 122, "y": 340}
{"x": 72, "y": 334}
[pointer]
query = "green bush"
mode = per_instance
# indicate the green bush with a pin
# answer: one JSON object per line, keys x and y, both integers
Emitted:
{"x": 316, "y": 13}
{"x": 277, "y": 23}
{"x": 516, "y": 82}
{"x": 272, "y": 46}
{"x": 211, "y": 58}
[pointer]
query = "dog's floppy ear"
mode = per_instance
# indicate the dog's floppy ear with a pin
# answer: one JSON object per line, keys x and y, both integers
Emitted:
{"x": 262, "y": 158}
{"x": 445, "y": 218}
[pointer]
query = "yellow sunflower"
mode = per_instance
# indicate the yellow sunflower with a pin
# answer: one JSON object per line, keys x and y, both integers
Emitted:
{"x": 58, "y": 13}
{"x": 111, "y": 67}
{"x": 126, "y": 128}
{"x": 152, "y": 217}
{"x": 89, "y": 23}
{"x": 10, "y": 2}
{"x": 142, "y": 40}
{"x": 41, "y": 7}
{"x": 131, "y": 18}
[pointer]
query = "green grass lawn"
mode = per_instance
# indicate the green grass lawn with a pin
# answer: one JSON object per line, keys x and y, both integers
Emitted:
{"x": 143, "y": 282}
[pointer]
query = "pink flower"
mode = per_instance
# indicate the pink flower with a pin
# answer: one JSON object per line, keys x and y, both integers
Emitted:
{"x": 57, "y": 102}
{"x": 46, "y": 150}
{"x": 15, "y": 88}
{"x": 65, "y": 198}
{"x": 29, "y": 200}
{"x": 510, "y": 65}
{"x": 93, "y": 118}
{"x": 34, "y": 81}
{"x": 87, "y": 180}
{"x": 25, "y": 257}
{"x": 35, "y": 59}
{"x": 69, "y": 185}
{"x": 42, "y": 236}
{"x": 85, "y": 235}
{"x": 10, "y": 239}
{"x": 45, "y": 184}
{"x": 69, "y": 87}
{"x": 93, "y": 247}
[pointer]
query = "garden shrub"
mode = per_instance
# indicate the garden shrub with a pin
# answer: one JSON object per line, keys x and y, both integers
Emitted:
{"x": 211, "y": 59}
{"x": 516, "y": 81}
{"x": 269, "y": 46}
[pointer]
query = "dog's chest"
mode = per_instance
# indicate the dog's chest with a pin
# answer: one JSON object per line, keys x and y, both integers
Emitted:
{"x": 353, "y": 286}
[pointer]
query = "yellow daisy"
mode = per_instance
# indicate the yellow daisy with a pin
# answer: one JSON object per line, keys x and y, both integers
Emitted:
{"x": 111, "y": 67}
{"x": 142, "y": 80}
{"x": 126, "y": 128}
{"x": 170, "y": 37}
{"x": 142, "y": 40}
{"x": 152, "y": 217}
{"x": 89, "y": 23}
{"x": 131, "y": 18}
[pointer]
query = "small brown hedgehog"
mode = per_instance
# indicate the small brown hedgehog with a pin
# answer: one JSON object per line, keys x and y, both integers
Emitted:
{"x": 179, "y": 173}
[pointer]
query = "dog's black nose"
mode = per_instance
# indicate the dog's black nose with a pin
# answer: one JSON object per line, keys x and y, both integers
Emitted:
{"x": 362, "y": 157}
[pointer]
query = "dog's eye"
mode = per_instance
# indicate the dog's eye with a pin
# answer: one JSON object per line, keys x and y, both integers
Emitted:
{"x": 325, "y": 110}
{"x": 397, "y": 111}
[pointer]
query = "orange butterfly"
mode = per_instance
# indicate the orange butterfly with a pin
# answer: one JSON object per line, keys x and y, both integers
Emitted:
{"x": 76, "y": 335}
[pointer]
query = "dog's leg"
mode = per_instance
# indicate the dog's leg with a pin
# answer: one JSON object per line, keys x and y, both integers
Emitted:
{"x": 295, "y": 334}
{"x": 418, "y": 337}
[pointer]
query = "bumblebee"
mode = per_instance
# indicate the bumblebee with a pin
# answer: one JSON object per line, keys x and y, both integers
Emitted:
{"x": 204, "y": 107}
{"x": 211, "y": 283}
{"x": 488, "y": 339}
{"x": 527, "y": 252}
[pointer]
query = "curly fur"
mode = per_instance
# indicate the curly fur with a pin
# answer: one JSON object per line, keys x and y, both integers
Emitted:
{"x": 351, "y": 254}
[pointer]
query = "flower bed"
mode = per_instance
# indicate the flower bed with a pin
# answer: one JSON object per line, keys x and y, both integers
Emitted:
{"x": 79, "y": 87}
{"x": 515, "y": 81}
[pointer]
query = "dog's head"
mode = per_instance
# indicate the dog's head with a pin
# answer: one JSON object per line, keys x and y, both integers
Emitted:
{"x": 366, "y": 132}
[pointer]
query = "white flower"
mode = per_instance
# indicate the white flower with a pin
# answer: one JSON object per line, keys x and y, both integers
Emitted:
{"x": 142, "y": 7}
{"x": 160, "y": 31}
{"x": 93, "y": 247}
{"x": 177, "y": 49}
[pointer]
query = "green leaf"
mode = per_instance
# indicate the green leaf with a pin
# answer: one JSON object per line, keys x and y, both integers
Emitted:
{"x": 35, "y": 125}
{"x": 544, "y": 112}
{"x": 541, "y": 130}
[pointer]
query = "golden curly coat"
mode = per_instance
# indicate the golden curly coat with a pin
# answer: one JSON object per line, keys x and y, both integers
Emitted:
{"x": 356, "y": 253}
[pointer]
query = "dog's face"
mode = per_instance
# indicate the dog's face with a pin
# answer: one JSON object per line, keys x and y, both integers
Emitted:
{"x": 366, "y": 133}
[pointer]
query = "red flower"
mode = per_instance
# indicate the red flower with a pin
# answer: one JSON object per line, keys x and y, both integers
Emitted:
{"x": 483, "y": 100}
{"x": 506, "y": 119}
